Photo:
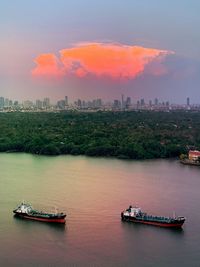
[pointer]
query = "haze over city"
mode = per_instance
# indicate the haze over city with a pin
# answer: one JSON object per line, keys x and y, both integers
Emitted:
{"x": 100, "y": 49}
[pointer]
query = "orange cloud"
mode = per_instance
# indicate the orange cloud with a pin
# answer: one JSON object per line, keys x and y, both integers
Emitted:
{"x": 47, "y": 65}
{"x": 111, "y": 60}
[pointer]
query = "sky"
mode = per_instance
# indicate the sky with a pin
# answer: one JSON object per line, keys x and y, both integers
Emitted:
{"x": 100, "y": 49}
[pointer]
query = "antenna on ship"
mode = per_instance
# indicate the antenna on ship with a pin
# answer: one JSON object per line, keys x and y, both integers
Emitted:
{"x": 56, "y": 209}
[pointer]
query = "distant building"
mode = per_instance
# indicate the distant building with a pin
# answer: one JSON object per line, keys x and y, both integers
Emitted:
{"x": 46, "y": 102}
{"x": 188, "y": 101}
{"x": 142, "y": 103}
{"x": 122, "y": 102}
{"x": 116, "y": 104}
{"x": 16, "y": 104}
{"x": 61, "y": 104}
{"x": 84, "y": 105}
{"x": 89, "y": 104}
{"x": 98, "y": 103}
{"x": 27, "y": 104}
{"x": 38, "y": 104}
{"x": 194, "y": 155}
{"x": 79, "y": 103}
{"x": 128, "y": 102}
{"x": 66, "y": 100}
{"x": 6, "y": 102}
{"x": 1, "y": 102}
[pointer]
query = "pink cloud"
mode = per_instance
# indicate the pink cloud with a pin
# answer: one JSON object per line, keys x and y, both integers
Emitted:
{"x": 101, "y": 60}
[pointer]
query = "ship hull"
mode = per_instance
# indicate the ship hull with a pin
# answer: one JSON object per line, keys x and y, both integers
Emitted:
{"x": 42, "y": 219}
{"x": 154, "y": 223}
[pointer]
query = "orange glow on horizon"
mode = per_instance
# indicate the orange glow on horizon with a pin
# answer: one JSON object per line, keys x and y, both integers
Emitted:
{"x": 101, "y": 60}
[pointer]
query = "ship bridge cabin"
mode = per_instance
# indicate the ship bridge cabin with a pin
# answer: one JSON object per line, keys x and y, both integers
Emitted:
{"x": 133, "y": 211}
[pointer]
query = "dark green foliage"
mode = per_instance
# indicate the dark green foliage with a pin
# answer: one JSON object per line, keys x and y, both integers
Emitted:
{"x": 128, "y": 135}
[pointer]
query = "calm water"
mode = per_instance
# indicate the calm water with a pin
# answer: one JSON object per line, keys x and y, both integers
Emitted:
{"x": 93, "y": 192}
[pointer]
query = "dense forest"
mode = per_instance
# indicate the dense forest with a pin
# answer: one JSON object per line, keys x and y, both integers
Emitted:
{"x": 130, "y": 135}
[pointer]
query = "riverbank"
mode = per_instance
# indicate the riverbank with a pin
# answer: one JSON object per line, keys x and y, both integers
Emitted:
{"x": 189, "y": 162}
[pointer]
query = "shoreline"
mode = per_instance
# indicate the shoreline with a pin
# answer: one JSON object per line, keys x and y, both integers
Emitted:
{"x": 189, "y": 162}
{"x": 90, "y": 156}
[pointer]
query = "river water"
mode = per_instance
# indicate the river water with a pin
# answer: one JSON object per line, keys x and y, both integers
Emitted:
{"x": 93, "y": 192}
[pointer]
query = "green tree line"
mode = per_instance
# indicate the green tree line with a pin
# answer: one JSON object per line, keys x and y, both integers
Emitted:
{"x": 128, "y": 135}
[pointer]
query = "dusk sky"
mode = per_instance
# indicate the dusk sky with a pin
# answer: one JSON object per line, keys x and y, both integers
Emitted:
{"x": 100, "y": 49}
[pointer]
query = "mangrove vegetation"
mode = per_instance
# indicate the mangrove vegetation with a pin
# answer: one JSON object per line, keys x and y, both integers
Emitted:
{"x": 128, "y": 135}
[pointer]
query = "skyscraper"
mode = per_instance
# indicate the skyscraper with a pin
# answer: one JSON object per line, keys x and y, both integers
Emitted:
{"x": 66, "y": 100}
{"x": 1, "y": 102}
{"x": 142, "y": 103}
{"x": 122, "y": 102}
{"x": 46, "y": 102}
{"x": 128, "y": 102}
{"x": 188, "y": 101}
{"x": 116, "y": 104}
{"x": 38, "y": 104}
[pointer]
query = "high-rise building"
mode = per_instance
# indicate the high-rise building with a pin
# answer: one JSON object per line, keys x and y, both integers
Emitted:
{"x": 188, "y": 101}
{"x": 10, "y": 103}
{"x": 122, "y": 103}
{"x": 84, "y": 104}
{"x": 156, "y": 102}
{"x": 1, "y": 102}
{"x": 27, "y": 104}
{"x": 79, "y": 103}
{"x": 38, "y": 104}
{"x": 98, "y": 103}
{"x": 66, "y": 100}
{"x": 61, "y": 104}
{"x": 46, "y": 102}
{"x": 116, "y": 104}
{"x": 128, "y": 102}
{"x": 16, "y": 103}
{"x": 6, "y": 102}
{"x": 142, "y": 103}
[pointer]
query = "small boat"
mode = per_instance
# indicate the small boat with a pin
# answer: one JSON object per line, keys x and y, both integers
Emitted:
{"x": 26, "y": 211}
{"x": 134, "y": 214}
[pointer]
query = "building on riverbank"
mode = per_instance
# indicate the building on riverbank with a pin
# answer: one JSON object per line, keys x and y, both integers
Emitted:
{"x": 194, "y": 155}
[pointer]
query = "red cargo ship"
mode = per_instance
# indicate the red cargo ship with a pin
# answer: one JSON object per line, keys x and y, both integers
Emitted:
{"x": 134, "y": 214}
{"x": 26, "y": 211}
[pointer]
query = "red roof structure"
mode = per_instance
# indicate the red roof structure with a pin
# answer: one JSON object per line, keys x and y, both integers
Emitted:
{"x": 194, "y": 154}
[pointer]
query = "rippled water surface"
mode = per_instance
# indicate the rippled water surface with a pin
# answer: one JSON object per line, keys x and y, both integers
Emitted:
{"x": 93, "y": 191}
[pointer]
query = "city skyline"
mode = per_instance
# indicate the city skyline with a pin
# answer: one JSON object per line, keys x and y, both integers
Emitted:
{"x": 126, "y": 103}
{"x": 100, "y": 49}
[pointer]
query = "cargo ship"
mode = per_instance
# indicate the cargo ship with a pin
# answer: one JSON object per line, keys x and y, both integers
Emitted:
{"x": 134, "y": 214}
{"x": 26, "y": 211}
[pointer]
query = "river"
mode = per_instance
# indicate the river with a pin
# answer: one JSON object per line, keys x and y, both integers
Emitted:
{"x": 93, "y": 192}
